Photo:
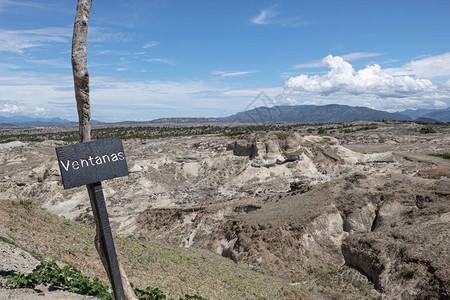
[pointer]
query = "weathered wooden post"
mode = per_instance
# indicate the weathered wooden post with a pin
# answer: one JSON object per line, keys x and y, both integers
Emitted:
{"x": 90, "y": 162}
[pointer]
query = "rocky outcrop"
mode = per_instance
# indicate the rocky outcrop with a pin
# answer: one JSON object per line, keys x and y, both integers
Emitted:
{"x": 361, "y": 219}
{"x": 404, "y": 255}
{"x": 398, "y": 243}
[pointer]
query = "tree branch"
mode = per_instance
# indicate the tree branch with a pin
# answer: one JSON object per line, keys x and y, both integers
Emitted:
{"x": 81, "y": 83}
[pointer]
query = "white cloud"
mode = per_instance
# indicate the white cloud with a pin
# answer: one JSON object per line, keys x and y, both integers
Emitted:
{"x": 160, "y": 60}
{"x": 371, "y": 86}
{"x": 52, "y": 95}
{"x": 151, "y": 44}
{"x": 11, "y": 108}
{"x": 428, "y": 67}
{"x": 16, "y": 41}
{"x": 39, "y": 110}
{"x": 4, "y": 3}
{"x": 51, "y": 62}
{"x": 253, "y": 92}
{"x": 264, "y": 15}
{"x": 371, "y": 80}
{"x": 270, "y": 16}
{"x": 224, "y": 74}
{"x": 446, "y": 85}
{"x": 359, "y": 55}
{"x": 347, "y": 57}
{"x": 28, "y": 91}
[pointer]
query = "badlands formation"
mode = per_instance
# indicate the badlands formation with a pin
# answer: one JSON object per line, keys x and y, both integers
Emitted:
{"x": 357, "y": 215}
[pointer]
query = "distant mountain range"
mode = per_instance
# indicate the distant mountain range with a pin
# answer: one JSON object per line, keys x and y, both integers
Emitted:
{"x": 29, "y": 121}
{"x": 294, "y": 114}
{"x": 442, "y": 115}
{"x": 333, "y": 113}
{"x": 314, "y": 114}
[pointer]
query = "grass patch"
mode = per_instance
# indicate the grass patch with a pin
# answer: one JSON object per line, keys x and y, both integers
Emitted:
{"x": 27, "y": 203}
{"x": 426, "y": 130}
{"x": 441, "y": 155}
{"x": 8, "y": 241}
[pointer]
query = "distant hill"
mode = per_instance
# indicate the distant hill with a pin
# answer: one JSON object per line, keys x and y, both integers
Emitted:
{"x": 30, "y": 121}
{"x": 184, "y": 120}
{"x": 314, "y": 114}
{"x": 442, "y": 115}
{"x": 428, "y": 120}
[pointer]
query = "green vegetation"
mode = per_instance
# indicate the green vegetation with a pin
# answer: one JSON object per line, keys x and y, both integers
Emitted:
{"x": 432, "y": 123}
{"x": 8, "y": 241}
{"x": 27, "y": 203}
{"x": 426, "y": 130}
{"x": 68, "y": 278}
{"x": 73, "y": 280}
{"x": 132, "y": 133}
{"x": 441, "y": 155}
{"x": 39, "y": 135}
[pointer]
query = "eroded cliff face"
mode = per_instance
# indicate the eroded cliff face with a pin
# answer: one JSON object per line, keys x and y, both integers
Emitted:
{"x": 390, "y": 231}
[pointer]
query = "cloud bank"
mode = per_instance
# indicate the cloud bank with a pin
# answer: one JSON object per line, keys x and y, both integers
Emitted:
{"x": 371, "y": 86}
{"x": 428, "y": 67}
{"x": 347, "y": 57}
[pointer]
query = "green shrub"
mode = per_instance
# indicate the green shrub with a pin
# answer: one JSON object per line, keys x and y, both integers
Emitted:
{"x": 68, "y": 278}
{"x": 441, "y": 155}
{"x": 27, "y": 203}
{"x": 321, "y": 130}
{"x": 72, "y": 280}
{"x": 426, "y": 130}
{"x": 8, "y": 241}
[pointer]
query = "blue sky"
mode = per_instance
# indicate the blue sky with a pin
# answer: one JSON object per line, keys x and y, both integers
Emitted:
{"x": 153, "y": 59}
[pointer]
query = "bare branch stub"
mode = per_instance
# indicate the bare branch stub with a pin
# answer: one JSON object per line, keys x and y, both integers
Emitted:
{"x": 79, "y": 67}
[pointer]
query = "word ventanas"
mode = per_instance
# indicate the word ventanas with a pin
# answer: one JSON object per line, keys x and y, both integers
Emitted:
{"x": 90, "y": 162}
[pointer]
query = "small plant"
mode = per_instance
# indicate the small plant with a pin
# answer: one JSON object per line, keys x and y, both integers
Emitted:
{"x": 45, "y": 176}
{"x": 149, "y": 293}
{"x": 27, "y": 203}
{"x": 23, "y": 254}
{"x": 321, "y": 130}
{"x": 8, "y": 241}
{"x": 72, "y": 280}
{"x": 441, "y": 155}
{"x": 426, "y": 130}
{"x": 68, "y": 278}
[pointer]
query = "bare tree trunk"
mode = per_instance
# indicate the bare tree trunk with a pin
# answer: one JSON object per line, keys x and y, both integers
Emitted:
{"x": 79, "y": 67}
{"x": 81, "y": 83}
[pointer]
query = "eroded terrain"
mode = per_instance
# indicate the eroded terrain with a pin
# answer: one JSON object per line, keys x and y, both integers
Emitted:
{"x": 361, "y": 214}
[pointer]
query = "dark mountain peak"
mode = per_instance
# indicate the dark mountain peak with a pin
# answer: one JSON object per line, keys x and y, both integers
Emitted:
{"x": 330, "y": 113}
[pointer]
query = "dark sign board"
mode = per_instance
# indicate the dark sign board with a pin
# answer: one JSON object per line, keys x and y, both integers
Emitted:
{"x": 90, "y": 162}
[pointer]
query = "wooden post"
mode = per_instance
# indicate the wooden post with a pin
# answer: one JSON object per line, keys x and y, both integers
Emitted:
{"x": 106, "y": 239}
{"x": 103, "y": 239}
